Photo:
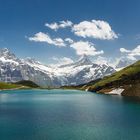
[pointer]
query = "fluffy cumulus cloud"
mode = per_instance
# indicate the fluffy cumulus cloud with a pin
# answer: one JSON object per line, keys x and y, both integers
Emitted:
{"x": 62, "y": 24}
{"x": 69, "y": 40}
{"x": 131, "y": 54}
{"x": 42, "y": 37}
{"x": 63, "y": 60}
{"x": 85, "y": 48}
{"x": 95, "y": 29}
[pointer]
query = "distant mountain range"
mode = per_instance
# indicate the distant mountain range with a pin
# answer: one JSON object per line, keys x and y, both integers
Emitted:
{"x": 82, "y": 74}
{"x": 13, "y": 69}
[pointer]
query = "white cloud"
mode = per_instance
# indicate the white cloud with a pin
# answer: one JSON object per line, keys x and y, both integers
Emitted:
{"x": 131, "y": 54}
{"x": 59, "y": 42}
{"x": 69, "y": 40}
{"x": 42, "y": 37}
{"x": 135, "y": 51}
{"x": 95, "y": 29}
{"x": 123, "y": 50}
{"x": 63, "y": 60}
{"x": 100, "y": 60}
{"x": 62, "y": 24}
{"x": 85, "y": 48}
{"x": 53, "y": 26}
{"x": 105, "y": 60}
{"x": 131, "y": 58}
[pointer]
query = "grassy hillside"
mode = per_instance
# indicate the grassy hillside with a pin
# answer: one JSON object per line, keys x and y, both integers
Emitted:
{"x": 18, "y": 85}
{"x": 127, "y": 78}
{"x": 128, "y": 75}
{"x": 27, "y": 83}
{"x": 8, "y": 86}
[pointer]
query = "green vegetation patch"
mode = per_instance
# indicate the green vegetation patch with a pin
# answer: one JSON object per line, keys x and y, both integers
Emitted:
{"x": 8, "y": 86}
{"x": 128, "y": 71}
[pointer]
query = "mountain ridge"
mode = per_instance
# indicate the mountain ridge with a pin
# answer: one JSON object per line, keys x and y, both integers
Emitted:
{"x": 13, "y": 69}
{"x": 126, "y": 80}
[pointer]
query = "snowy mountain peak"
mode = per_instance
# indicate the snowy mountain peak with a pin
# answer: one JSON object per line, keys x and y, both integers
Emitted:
{"x": 124, "y": 62}
{"x": 32, "y": 60}
{"x": 84, "y": 60}
{"x": 5, "y": 53}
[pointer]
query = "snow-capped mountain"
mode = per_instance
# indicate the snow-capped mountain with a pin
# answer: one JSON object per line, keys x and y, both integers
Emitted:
{"x": 13, "y": 69}
{"x": 124, "y": 62}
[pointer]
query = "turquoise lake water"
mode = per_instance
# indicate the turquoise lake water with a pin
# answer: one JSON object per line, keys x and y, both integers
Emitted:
{"x": 67, "y": 115}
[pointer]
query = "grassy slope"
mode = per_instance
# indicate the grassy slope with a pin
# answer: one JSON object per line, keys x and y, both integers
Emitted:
{"x": 127, "y": 78}
{"x": 18, "y": 85}
{"x": 9, "y": 86}
{"x": 27, "y": 83}
{"x": 123, "y": 76}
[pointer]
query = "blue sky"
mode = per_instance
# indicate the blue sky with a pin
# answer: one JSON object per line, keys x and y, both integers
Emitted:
{"x": 20, "y": 20}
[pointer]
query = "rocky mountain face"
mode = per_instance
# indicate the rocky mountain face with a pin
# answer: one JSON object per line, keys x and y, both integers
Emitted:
{"x": 13, "y": 69}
